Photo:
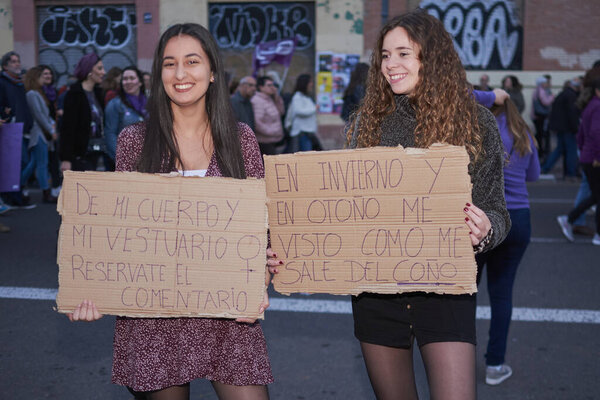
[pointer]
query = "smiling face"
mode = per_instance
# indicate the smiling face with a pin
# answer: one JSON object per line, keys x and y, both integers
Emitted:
{"x": 400, "y": 61}
{"x": 186, "y": 73}
{"x": 131, "y": 82}
{"x": 46, "y": 77}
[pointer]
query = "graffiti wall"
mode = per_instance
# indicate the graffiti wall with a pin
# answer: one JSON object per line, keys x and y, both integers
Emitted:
{"x": 488, "y": 34}
{"x": 238, "y": 27}
{"x": 65, "y": 33}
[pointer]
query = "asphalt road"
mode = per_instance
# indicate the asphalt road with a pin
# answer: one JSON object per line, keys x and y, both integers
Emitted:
{"x": 314, "y": 354}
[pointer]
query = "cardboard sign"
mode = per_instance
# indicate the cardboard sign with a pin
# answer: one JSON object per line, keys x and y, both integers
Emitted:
{"x": 144, "y": 245}
{"x": 384, "y": 220}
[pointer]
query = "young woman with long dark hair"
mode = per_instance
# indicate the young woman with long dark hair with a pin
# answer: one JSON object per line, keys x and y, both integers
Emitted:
{"x": 191, "y": 128}
{"x": 417, "y": 94}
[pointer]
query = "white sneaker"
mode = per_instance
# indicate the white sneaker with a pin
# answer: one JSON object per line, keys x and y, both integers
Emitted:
{"x": 55, "y": 191}
{"x": 566, "y": 227}
{"x": 496, "y": 374}
{"x": 596, "y": 240}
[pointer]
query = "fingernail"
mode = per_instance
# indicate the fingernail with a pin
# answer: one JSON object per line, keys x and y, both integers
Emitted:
{"x": 261, "y": 310}
{"x": 470, "y": 233}
{"x": 468, "y": 204}
{"x": 466, "y": 218}
{"x": 466, "y": 209}
{"x": 276, "y": 271}
{"x": 275, "y": 255}
{"x": 280, "y": 262}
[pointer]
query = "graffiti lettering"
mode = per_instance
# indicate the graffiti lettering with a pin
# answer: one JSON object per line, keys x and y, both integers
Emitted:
{"x": 485, "y": 33}
{"x": 241, "y": 26}
{"x": 104, "y": 27}
{"x": 67, "y": 33}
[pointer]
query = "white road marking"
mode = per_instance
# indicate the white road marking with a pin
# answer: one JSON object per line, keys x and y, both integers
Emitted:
{"x": 344, "y": 307}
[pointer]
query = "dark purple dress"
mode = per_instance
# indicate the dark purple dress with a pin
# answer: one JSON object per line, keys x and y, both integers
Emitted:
{"x": 155, "y": 353}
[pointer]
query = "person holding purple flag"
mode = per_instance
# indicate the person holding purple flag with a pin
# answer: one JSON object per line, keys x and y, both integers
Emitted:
{"x": 129, "y": 107}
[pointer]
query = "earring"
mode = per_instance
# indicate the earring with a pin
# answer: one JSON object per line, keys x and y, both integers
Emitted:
{"x": 212, "y": 79}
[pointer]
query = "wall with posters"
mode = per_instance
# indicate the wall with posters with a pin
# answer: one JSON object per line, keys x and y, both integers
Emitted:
{"x": 6, "y": 26}
{"x": 333, "y": 75}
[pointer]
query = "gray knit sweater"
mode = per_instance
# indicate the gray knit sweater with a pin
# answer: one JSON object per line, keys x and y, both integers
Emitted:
{"x": 487, "y": 174}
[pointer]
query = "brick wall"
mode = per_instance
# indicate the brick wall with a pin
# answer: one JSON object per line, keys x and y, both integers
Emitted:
{"x": 561, "y": 35}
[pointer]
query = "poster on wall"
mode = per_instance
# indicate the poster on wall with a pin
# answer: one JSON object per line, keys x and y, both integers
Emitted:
{"x": 66, "y": 33}
{"x": 333, "y": 76}
{"x": 487, "y": 34}
{"x": 239, "y": 27}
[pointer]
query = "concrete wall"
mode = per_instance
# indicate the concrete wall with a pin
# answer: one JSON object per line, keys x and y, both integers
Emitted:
{"x": 6, "y": 26}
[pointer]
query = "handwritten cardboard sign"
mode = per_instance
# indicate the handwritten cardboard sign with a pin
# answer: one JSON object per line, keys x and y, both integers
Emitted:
{"x": 384, "y": 220}
{"x": 146, "y": 245}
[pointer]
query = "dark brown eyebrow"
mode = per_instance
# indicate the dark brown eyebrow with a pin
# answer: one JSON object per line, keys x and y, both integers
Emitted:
{"x": 187, "y": 55}
{"x": 399, "y": 48}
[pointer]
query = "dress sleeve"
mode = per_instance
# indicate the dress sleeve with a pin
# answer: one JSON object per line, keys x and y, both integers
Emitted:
{"x": 251, "y": 153}
{"x": 487, "y": 177}
{"x": 129, "y": 147}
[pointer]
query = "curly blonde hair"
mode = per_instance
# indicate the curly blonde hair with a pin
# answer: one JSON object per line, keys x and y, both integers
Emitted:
{"x": 445, "y": 109}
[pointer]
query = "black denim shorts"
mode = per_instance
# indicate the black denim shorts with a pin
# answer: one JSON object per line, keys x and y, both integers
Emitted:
{"x": 394, "y": 320}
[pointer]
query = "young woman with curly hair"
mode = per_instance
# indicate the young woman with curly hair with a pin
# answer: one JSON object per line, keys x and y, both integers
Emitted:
{"x": 417, "y": 94}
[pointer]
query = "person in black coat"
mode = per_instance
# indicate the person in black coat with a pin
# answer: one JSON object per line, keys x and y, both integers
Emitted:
{"x": 564, "y": 120}
{"x": 81, "y": 138}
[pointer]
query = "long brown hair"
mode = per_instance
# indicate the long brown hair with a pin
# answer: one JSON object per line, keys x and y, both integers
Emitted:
{"x": 32, "y": 81}
{"x": 516, "y": 126}
{"x": 445, "y": 110}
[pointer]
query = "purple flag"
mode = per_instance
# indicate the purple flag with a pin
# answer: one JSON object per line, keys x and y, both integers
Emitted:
{"x": 11, "y": 140}
{"x": 280, "y": 51}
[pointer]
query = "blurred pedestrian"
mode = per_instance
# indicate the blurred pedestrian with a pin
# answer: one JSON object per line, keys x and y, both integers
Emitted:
{"x": 542, "y": 99}
{"x": 415, "y": 76}
{"x": 355, "y": 90}
{"x": 240, "y": 101}
{"x": 564, "y": 121}
{"x": 82, "y": 144}
{"x": 301, "y": 117}
{"x": 110, "y": 84}
{"x": 513, "y": 87}
{"x": 147, "y": 81}
{"x": 521, "y": 166}
{"x": 268, "y": 109}
{"x": 588, "y": 141}
{"x": 53, "y": 160}
{"x": 42, "y": 135}
{"x": 129, "y": 107}
{"x": 14, "y": 108}
{"x": 484, "y": 83}
{"x": 191, "y": 128}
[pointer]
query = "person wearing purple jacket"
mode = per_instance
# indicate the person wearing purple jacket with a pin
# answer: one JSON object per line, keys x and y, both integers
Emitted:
{"x": 588, "y": 141}
{"x": 521, "y": 166}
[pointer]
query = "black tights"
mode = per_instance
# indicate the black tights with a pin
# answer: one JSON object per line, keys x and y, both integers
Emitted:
{"x": 224, "y": 392}
{"x": 450, "y": 368}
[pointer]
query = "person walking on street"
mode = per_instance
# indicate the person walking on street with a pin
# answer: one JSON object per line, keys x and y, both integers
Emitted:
{"x": 268, "y": 109}
{"x": 542, "y": 99}
{"x": 588, "y": 141}
{"x": 564, "y": 120}
{"x": 240, "y": 101}
{"x": 81, "y": 142}
{"x": 522, "y": 165}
